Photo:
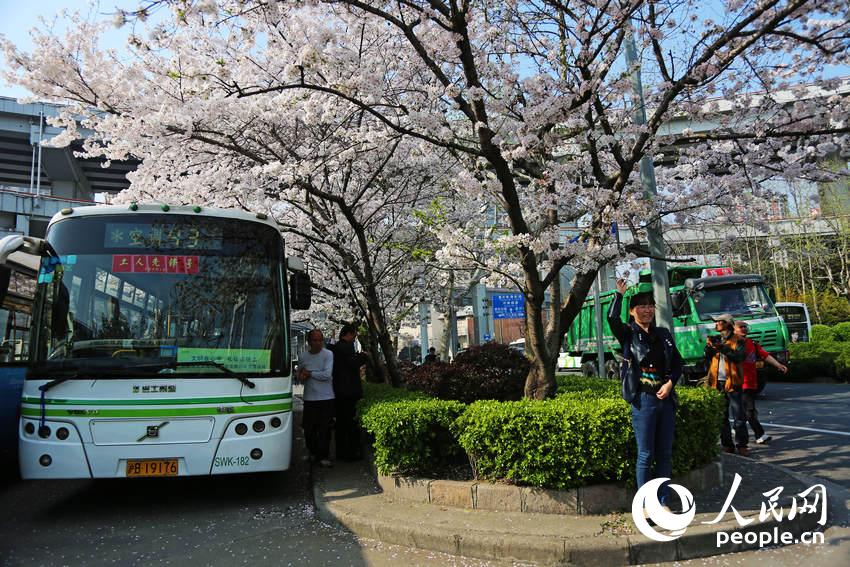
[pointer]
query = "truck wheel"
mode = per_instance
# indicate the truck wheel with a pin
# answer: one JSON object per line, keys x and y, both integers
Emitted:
{"x": 588, "y": 368}
{"x": 612, "y": 370}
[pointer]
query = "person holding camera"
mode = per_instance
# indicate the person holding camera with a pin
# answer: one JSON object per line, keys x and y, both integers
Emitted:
{"x": 649, "y": 373}
{"x": 724, "y": 354}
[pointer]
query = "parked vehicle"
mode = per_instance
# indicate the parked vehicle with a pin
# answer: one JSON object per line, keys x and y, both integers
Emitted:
{"x": 15, "y": 312}
{"x": 796, "y": 317}
{"x": 696, "y": 293}
{"x": 566, "y": 361}
{"x": 159, "y": 344}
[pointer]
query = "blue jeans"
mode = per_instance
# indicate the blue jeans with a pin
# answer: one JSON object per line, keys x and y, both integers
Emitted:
{"x": 735, "y": 410}
{"x": 654, "y": 424}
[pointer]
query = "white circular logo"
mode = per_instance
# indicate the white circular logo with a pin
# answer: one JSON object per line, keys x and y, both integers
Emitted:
{"x": 675, "y": 524}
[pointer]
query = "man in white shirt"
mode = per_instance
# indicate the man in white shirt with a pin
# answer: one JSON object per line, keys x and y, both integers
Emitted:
{"x": 315, "y": 371}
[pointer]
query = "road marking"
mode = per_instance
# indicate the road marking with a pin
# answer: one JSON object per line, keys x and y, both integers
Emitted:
{"x": 812, "y": 429}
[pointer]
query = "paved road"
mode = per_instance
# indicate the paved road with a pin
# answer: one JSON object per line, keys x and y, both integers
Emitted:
{"x": 264, "y": 519}
{"x": 810, "y": 425}
{"x": 269, "y": 519}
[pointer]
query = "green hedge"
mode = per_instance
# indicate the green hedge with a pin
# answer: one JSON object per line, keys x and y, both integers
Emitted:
{"x": 584, "y": 435}
{"x": 841, "y": 332}
{"x": 569, "y": 441}
{"x": 821, "y": 358}
{"x": 821, "y": 333}
{"x": 411, "y": 431}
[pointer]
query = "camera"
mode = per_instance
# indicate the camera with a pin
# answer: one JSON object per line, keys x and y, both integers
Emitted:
{"x": 716, "y": 339}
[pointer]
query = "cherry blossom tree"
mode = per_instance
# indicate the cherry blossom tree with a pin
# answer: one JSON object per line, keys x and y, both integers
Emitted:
{"x": 533, "y": 102}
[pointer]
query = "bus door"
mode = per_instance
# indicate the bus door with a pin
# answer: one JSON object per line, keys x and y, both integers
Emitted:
{"x": 17, "y": 287}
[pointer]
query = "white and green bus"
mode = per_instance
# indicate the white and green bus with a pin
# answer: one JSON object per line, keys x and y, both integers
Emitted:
{"x": 159, "y": 344}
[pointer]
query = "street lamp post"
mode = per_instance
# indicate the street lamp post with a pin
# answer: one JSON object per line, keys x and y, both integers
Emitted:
{"x": 660, "y": 283}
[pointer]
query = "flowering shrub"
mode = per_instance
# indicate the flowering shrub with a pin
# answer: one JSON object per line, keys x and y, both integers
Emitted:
{"x": 487, "y": 372}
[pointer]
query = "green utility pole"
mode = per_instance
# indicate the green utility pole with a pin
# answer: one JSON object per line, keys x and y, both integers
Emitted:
{"x": 660, "y": 282}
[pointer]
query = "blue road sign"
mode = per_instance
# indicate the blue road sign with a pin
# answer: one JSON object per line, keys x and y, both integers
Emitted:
{"x": 509, "y": 306}
{"x": 487, "y": 336}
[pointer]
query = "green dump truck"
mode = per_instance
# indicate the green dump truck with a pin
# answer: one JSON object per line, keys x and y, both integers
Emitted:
{"x": 696, "y": 293}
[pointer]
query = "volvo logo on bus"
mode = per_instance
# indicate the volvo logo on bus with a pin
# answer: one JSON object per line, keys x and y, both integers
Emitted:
{"x": 152, "y": 432}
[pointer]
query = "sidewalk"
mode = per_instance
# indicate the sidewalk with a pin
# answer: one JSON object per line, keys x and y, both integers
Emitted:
{"x": 348, "y": 494}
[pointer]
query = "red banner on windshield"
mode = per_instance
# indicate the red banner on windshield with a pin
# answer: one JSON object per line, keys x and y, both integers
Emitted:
{"x": 155, "y": 264}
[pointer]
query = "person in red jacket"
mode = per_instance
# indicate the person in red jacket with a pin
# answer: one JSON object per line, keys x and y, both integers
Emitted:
{"x": 754, "y": 353}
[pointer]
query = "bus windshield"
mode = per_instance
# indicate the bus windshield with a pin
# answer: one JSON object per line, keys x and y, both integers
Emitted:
{"x": 792, "y": 313}
{"x": 153, "y": 291}
{"x": 740, "y": 301}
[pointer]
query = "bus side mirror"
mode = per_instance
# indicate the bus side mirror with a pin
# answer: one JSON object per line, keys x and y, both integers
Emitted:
{"x": 299, "y": 290}
{"x": 17, "y": 243}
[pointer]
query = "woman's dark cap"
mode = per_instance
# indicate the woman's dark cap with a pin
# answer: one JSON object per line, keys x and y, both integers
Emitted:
{"x": 644, "y": 298}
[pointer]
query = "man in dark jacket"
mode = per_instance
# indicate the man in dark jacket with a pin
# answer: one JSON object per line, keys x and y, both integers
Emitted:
{"x": 650, "y": 370}
{"x": 347, "y": 390}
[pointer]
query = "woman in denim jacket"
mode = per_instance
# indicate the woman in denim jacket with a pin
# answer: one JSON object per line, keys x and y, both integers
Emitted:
{"x": 650, "y": 370}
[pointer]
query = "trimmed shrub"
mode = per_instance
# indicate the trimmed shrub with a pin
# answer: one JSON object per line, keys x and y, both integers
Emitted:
{"x": 810, "y": 360}
{"x": 486, "y": 372}
{"x": 699, "y": 417}
{"x": 412, "y": 435}
{"x": 842, "y": 362}
{"x": 841, "y": 332}
{"x": 566, "y": 442}
{"x": 821, "y": 333}
{"x": 582, "y": 436}
{"x": 590, "y": 385}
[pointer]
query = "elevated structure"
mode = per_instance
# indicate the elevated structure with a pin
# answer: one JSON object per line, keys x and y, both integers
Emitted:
{"x": 37, "y": 181}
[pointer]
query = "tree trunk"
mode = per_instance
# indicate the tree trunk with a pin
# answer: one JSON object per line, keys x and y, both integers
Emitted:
{"x": 542, "y": 346}
{"x": 540, "y": 382}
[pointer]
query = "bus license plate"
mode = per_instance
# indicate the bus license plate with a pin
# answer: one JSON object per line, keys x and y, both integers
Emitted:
{"x": 759, "y": 364}
{"x": 160, "y": 467}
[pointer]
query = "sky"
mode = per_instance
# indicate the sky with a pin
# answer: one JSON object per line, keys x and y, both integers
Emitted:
{"x": 17, "y": 17}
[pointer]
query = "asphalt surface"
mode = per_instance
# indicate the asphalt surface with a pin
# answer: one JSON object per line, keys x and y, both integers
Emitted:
{"x": 258, "y": 520}
{"x": 810, "y": 426}
{"x": 269, "y": 519}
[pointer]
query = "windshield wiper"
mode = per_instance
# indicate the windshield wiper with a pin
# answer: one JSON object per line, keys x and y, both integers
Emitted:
{"x": 175, "y": 364}
{"x": 56, "y": 382}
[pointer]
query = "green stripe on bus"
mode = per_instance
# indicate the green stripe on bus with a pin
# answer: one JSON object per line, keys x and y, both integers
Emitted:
{"x": 159, "y": 412}
{"x": 158, "y": 401}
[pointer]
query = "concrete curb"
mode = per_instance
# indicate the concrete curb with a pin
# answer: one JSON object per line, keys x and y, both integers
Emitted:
{"x": 526, "y": 536}
{"x": 483, "y": 495}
